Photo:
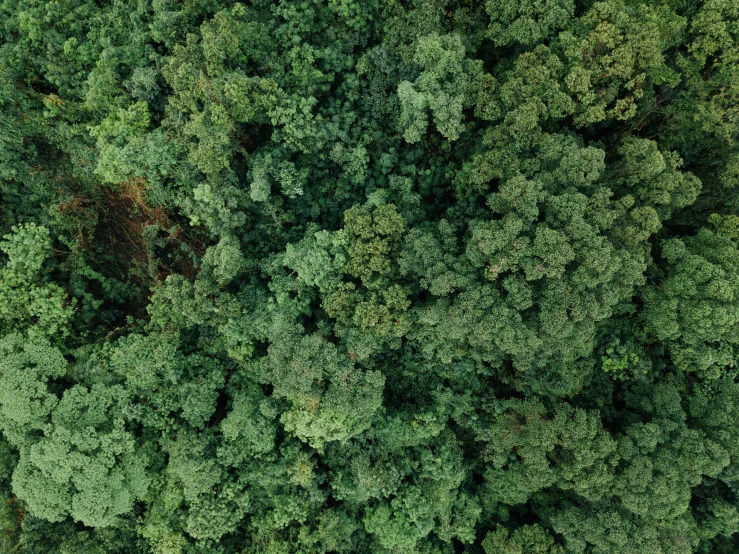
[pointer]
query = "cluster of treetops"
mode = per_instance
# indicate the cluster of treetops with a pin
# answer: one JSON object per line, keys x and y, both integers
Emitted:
{"x": 369, "y": 276}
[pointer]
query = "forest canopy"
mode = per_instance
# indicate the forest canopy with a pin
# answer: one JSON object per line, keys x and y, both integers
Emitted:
{"x": 369, "y": 276}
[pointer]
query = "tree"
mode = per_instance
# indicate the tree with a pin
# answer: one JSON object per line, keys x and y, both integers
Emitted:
{"x": 86, "y": 465}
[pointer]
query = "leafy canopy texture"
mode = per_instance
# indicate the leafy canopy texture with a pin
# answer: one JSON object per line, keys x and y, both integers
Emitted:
{"x": 369, "y": 276}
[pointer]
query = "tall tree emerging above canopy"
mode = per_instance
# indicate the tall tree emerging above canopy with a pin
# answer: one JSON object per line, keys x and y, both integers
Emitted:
{"x": 341, "y": 276}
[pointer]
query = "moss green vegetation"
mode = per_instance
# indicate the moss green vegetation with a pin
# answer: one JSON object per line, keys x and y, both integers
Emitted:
{"x": 382, "y": 276}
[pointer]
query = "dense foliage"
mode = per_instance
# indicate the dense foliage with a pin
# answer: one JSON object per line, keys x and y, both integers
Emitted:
{"x": 369, "y": 276}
